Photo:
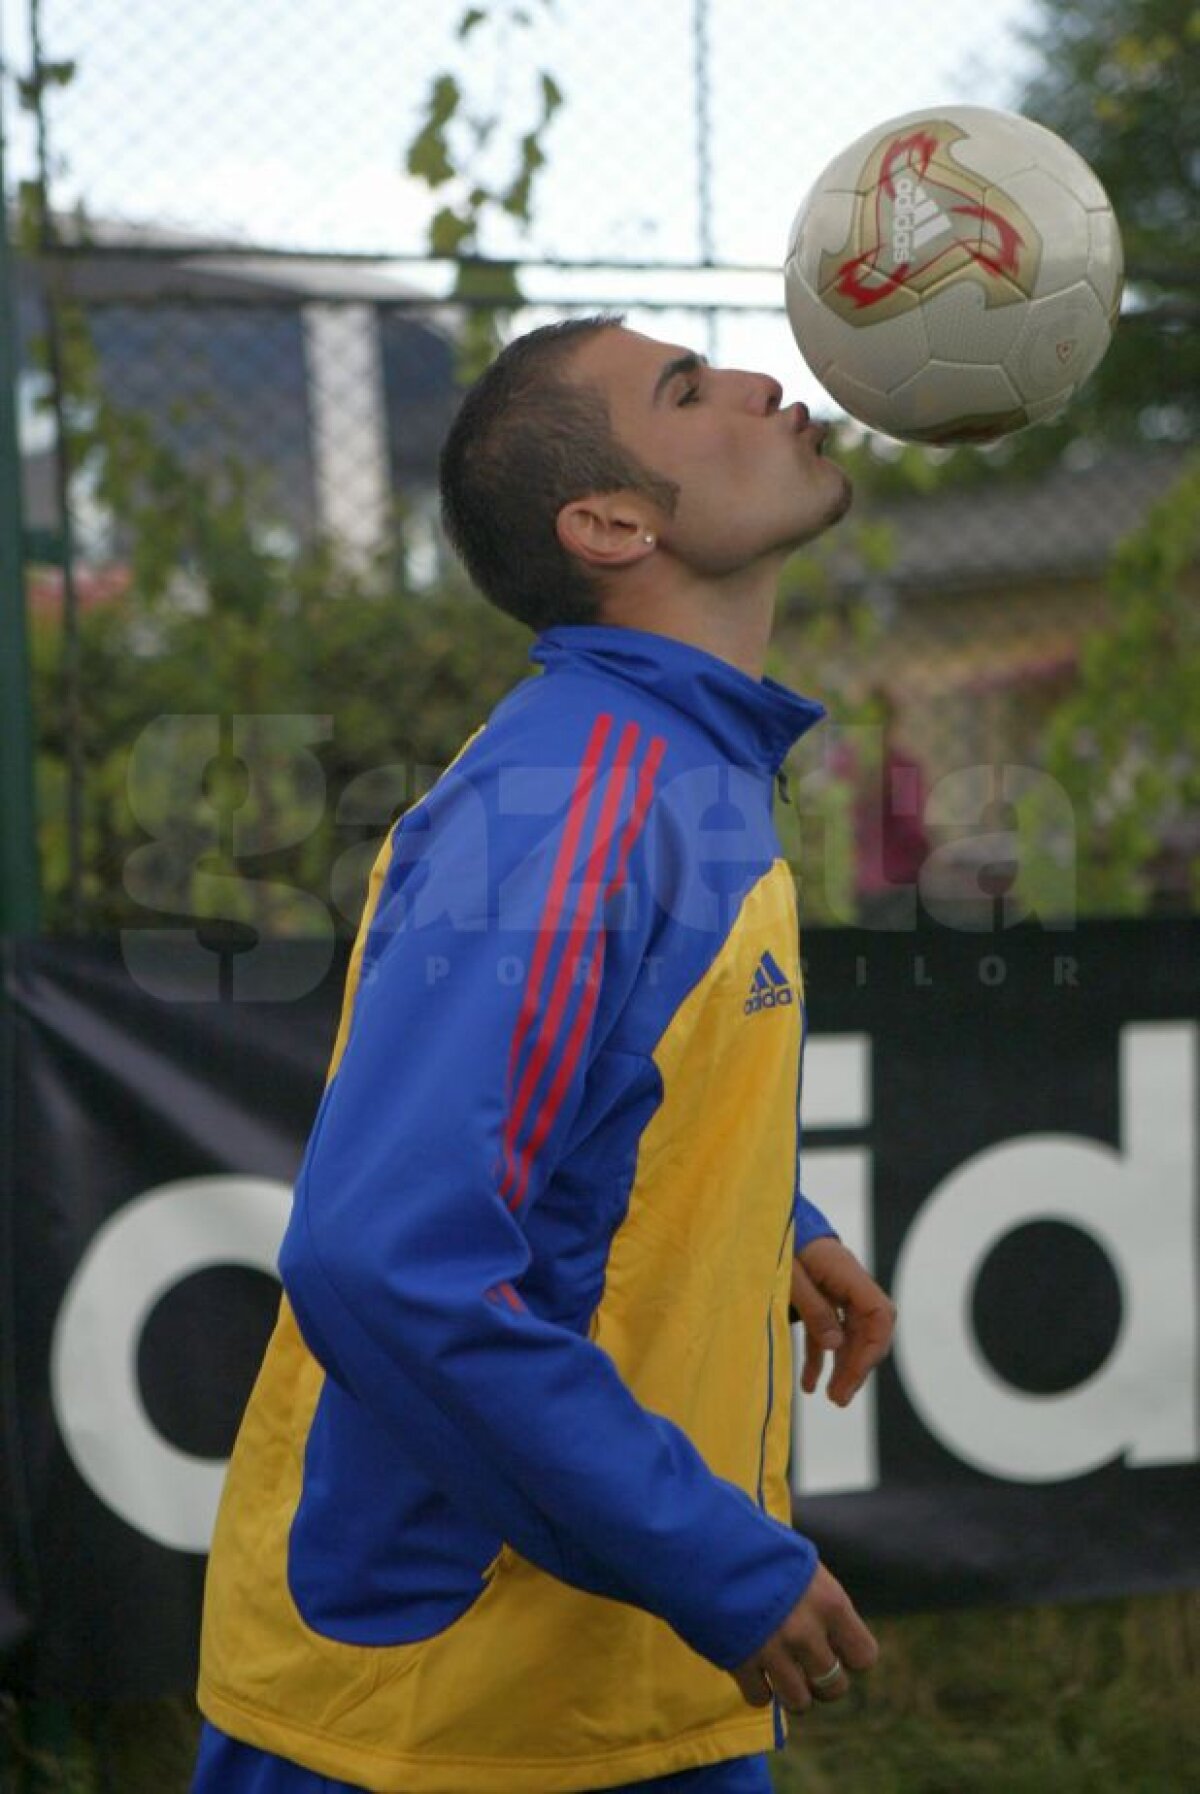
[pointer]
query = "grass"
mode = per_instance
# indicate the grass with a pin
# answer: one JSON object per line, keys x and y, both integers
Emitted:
{"x": 1045, "y": 1700}
{"x": 1096, "y": 1699}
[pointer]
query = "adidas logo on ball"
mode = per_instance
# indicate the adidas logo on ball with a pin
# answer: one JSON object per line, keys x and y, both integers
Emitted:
{"x": 916, "y": 219}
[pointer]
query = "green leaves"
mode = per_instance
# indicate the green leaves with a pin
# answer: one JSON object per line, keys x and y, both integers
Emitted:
{"x": 1126, "y": 744}
{"x": 429, "y": 152}
{"x": 47, "y": 75}
{"x": 461, "y": 143}
{"x": 1120, "y": 80}
{"x": 516, "y": 200}
{"x": 449, "y": 231}
{"x": 216, "y": 622}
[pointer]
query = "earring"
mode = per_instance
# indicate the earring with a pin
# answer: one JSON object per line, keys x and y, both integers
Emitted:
{"x": 648, "y": 540}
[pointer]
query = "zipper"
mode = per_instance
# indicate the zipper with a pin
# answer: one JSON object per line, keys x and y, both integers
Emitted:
{"x": 770, "y": 1407}
{"x": 776, "y": 1708}
{"x": 762, "y": 1443}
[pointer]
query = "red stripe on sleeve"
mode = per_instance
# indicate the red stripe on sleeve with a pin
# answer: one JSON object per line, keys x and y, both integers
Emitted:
{"x": 504, "y": 1292}
{"x": 514, "y": 1189}
{"x": 645, "y": 791}
{"x": 567, "y": 850}
{"x": 516, "y": 1172}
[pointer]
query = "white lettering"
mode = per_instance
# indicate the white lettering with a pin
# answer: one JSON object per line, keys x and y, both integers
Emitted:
{"x": 1139, "y": 1207}
{"x": 837, "y": 1080}
{"x": 836, "y": 1449}
{"x": 148, "y": 1247}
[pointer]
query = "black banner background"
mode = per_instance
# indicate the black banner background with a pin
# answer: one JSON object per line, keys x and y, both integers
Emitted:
{"x": 109, "y": 1091}
{"x": 960, "y": 1063}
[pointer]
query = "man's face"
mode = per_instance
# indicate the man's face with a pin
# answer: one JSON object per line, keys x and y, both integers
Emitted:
{"x": 752, "y": 481}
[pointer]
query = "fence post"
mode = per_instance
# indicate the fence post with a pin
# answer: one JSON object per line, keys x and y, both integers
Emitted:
{"x": 18, "y": 840}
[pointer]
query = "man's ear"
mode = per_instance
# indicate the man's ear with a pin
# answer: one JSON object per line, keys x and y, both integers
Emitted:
{"x": 607, "y": 529}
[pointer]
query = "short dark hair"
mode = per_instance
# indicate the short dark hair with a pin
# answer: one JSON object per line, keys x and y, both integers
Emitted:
{"x": 525, "y": 442}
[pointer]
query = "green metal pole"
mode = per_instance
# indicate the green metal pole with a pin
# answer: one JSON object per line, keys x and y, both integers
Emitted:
{"x": 19, "y": 896}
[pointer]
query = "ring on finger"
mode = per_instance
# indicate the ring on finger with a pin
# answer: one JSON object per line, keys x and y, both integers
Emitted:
{"x": 827, "y": 1678}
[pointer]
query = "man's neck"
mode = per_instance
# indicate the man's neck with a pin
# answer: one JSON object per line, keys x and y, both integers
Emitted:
{"x": 735, "y": 626}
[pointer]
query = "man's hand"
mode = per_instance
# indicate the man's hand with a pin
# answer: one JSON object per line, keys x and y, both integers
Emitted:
{"x": 845, "y": 1312}
{"x": 822, "y": 1630}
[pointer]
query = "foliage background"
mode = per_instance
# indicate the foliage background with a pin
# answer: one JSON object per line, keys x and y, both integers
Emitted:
{"x": 225, "y": 614}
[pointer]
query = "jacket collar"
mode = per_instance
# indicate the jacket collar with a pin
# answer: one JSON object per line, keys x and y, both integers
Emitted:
{"x": 753, "y": 721}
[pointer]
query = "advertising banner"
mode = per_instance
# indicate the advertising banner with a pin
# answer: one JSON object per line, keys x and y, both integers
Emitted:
{"x": 1003, "y": 1126}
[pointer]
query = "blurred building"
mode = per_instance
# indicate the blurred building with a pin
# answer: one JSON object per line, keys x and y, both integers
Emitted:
{"x": 320, "y": 377}
{"x": 975, "y": 617}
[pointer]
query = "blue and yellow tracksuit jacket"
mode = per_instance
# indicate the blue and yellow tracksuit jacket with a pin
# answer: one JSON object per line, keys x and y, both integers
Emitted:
{"x": 510, "y": 1495}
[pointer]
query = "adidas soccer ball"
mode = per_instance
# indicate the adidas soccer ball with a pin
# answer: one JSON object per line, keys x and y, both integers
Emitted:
{"x": 954, "y": 275}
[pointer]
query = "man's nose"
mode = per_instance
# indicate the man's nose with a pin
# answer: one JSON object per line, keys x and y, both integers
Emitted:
{"x": 757, "y": 392}
{"x": 772, "y": 393}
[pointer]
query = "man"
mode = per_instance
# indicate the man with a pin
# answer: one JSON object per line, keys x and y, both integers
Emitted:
{"x": 508, "y": 1512}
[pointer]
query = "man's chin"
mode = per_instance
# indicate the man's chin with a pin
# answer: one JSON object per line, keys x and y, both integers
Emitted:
{"x": 841, "y": 497}
{"x": 845, "y": 497}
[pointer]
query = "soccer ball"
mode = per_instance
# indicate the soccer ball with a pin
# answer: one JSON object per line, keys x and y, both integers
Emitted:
{"x": 954, "y": 275}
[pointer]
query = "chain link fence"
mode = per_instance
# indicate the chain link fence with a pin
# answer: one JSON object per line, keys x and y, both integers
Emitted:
{"x": 255, "y": 249}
